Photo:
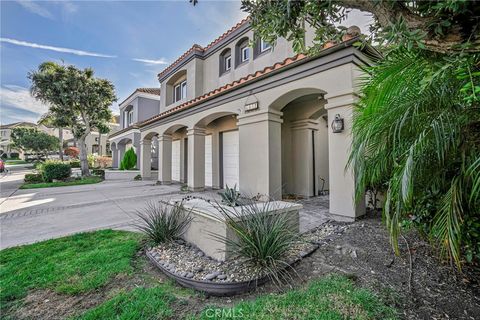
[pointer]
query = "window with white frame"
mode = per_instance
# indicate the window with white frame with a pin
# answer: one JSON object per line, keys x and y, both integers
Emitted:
{"x": 264, "y": 45}
{"x": 180, "y": 91}
{"x": 130, "y": 118}
{"x": 244, "y": 54}
{"x": 228, "y": 63}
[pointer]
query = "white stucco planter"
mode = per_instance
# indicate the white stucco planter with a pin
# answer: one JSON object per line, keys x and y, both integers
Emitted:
{"x": 121, "y": 174}
{"x": 208, "y": 221}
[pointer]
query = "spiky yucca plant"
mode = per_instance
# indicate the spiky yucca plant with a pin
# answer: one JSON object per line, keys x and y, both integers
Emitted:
{"x": 416, "y": 132}
{"x": 163, "y": 223}
{"x": 263, "y": 238}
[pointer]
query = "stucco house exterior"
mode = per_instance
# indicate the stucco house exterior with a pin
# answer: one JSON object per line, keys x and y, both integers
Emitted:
{"x": 96, "y": 143}
{"x": 261, "y": 118}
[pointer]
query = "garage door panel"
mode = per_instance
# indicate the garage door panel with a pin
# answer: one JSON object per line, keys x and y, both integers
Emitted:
{"x": 176, "y": 160}
{"x": 208, "y": 161}
{"x": 230, "y": 150}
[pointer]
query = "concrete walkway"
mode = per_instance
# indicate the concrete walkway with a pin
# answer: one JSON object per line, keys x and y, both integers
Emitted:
{"x": 32, "y": 215}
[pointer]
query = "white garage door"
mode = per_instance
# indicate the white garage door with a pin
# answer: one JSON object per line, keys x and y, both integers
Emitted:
{"x": 176, "y": 160}
{"x": 208, "y": 161}
{"x": 230, "y": 159}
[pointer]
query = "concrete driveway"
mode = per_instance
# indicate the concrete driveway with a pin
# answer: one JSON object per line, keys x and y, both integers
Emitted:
{"x": 28, "y": 216}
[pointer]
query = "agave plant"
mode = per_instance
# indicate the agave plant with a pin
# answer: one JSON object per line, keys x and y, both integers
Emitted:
{"x": 262, "y": 238}
{"x": 416, "y": 132}
{"x": 230, "y": 196}
{"x": 163, "y": 223}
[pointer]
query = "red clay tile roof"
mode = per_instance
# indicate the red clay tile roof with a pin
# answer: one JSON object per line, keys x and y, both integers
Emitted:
{"x": 201, "y": 49}
{"x": 225, "y": 88}
{"x": 154, "y": 91}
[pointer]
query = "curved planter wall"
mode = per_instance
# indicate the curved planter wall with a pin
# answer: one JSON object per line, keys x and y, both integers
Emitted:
{"x": 212, "y": 288}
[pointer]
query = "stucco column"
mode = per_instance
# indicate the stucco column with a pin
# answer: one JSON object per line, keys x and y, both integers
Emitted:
{"x": 216, "y": 160}
{"x": 261, "y": 153}
{"x": 196, "y": 159}
{"x": 165, "y": 159}
{"x": 342, "y": 181}
{"x": 115, "y": 161}
{"x": 146, "y": 158}
{"x": 303, "y": 156}
{"x": 120, "y": 152}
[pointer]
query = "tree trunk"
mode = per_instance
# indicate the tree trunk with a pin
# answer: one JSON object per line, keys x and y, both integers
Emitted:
{"x": 83, "y": 157}
{"x": 60, "y": 137}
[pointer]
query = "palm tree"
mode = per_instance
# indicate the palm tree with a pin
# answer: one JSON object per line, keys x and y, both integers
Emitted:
{"x": 416, "y": 136}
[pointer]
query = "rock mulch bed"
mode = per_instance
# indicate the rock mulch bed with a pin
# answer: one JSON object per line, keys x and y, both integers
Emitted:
{"x": 187, "y": 261}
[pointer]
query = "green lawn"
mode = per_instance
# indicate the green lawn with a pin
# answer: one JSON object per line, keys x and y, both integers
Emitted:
{"x": 87, "y": 180}
{"x": 81, "y": 263}
{"x": 15, "y": 162}
{"x": 69, "y": 265}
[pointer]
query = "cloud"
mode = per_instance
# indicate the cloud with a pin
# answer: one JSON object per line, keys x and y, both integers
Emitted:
{"x": 57, "y": 49}
{"x": 150, "y": 62}
{"x": 35, "y": 8}
{"x": 18, "y": 100}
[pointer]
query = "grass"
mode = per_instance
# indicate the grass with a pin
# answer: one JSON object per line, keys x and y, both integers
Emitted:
{"x": 139, "y": 303}
{"x": 70, "y": 265}
{"x": 87, "y": 180}
{"x": 15, "y": 162}
{"x": 330, "y": 298}
{"x": 84, "y": 262}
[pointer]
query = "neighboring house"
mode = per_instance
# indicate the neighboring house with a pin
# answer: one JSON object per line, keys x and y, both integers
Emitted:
{"x": 96, "y": 143}
{"x": 6, "y": 143}
{"x": 141, "y": 105}
{"x": 261, "y": 118}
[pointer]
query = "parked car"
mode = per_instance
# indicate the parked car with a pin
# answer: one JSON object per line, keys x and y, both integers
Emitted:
{"x": 2, "y": 165}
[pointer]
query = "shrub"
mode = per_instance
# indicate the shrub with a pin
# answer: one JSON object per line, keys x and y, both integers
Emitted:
{"x": 230, "y": 196}
{"x": 38, "y": 165}
{"x": 103, "y": 162}
{"x": 99, "y": 172}
{"x": 129, "y": 160}
{"x": 56, "y": 170}
{"x": 33, "y": 178}
{"x": 72, "y": 152}
{"x": 262, "y": 238}
{"x": 137, "y": 177}
{"x": 91, "y": 160}
{"x": 74, "y": 163}
{"x": 163, "y": 223}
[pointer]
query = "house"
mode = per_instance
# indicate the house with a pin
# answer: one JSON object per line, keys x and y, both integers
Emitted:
{"x": 141, "y": 105}
{"x": 6, "y": 143}
{"x": 259, "y": 117}
{"x": 97, "y": 143}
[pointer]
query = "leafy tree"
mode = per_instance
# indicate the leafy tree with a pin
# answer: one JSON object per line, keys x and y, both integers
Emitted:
{"x": 78, "y": 100}
{"x": 129, "y": 160}
{"x": 48, "y": 120}
{"x": 32, "y": 140}
{"x": 416, "y": 131}
{"x": 72, "y": 152}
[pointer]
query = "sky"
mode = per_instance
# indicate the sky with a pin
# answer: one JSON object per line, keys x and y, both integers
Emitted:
{"x": 127, "y": 42}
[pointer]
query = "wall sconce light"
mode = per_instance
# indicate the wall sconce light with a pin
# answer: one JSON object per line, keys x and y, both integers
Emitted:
{"x": 337, "y": 124}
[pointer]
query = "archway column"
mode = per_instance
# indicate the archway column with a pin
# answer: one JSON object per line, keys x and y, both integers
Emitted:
{"x": 303, "y": 156}
{"x": 216, "y": 160}
{"x": 196, "y": 159}
{"x": 146, "y": 158}
{"x": 120, "y": 153}
{"x": 260, "y": 153}
{"x": 342, "y": 181}
{"x": 115, "y": 161}
{"x": 165, "y": 159}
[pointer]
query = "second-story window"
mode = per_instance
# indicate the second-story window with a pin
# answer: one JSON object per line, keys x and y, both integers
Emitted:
{"x": 228, "y": 63}
{"x": 264, "y": 45}
{"x": 245, "y": 54}
{"x": 130, "y": 117}
{"x": 180, "y": 91}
